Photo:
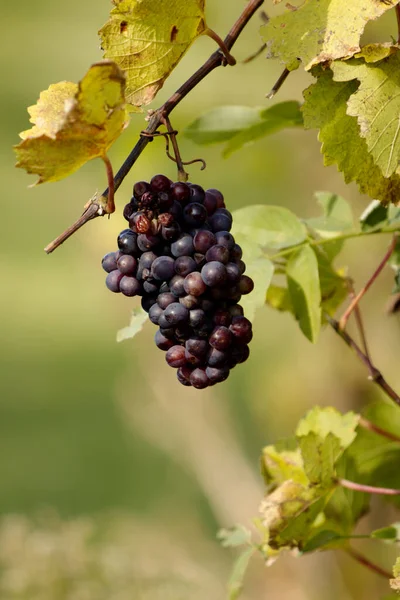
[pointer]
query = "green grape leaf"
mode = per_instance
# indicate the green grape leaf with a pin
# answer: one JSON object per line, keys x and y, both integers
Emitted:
{"x": 281, "y": 464}
{"x": 235, "y": 583}
{"x": 273, "y": 119}
{"x": 278, "y": 297}
{"x": 234, "y": 536}
{"x": 222, "y": 124}
{"x": 147, "y": 39}
{"x": 274, "y": 227}
{"x": 333, "y": 283}
{"x": 323, "y": 436}
{"x": 261, "y": 271}
{"x": 321, "y": 30}
{"x": 376, "y": 105}
{"x": 375, "y": 216}
{"x": 390, "y": 534}
{"x": 74, "y": 123}
{"x": 394, "y": 260}
{"x": 337, "y": 216}
{"x": 304, "y": 289}
{"x": 138, "y": 319}
{"x": 320, "y": 540}
{"x": 395, "y": 583}
{"x": 325, "y": 109}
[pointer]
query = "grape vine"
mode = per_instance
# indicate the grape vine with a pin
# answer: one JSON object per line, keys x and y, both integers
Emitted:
{"x": 182, "y": 252}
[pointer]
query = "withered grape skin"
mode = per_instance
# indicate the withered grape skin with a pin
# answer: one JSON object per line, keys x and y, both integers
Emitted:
{"x": 179, "y": 256}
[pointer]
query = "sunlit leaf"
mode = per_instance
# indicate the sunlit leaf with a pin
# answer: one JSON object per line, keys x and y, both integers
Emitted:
{"x": 222, "y": 123}
{"x": 234, "y": 537}
{"x": 147, "y": 39}
{"x": 138, "y": 319}
{"x": 74, "y": 123}
{"x": 337, "y": 216}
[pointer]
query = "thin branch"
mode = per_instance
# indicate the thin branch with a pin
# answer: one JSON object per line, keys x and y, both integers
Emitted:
{"x": 91, "y": 212}
{"x": 360, "y": 558}
{"x": 359, "y": 321}
{"x": 281, "y": 80}
{"x": 375, "y": 375}
{"x": 367, "y": 489}
{"x": 371, "y": 280}
{"x": 231, "y": 60}
{"x": 217, "y": 59}
{"x": 182, "y": 175}
{"x": 367, "y": 424}
{"x": 110, "y": 208}
{"x": 255, "y": 54}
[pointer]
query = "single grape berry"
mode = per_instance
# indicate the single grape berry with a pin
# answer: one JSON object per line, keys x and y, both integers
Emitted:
{"x": 113, "y": 280}
{"x": 127, "y": 242}
{"x": 109, "y": 262}
{"x": 175, "y": 357}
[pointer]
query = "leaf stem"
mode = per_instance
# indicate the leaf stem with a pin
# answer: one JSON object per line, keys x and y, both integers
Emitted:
{"x": 367, "y": 424}
{"x": 375, "y": 375}
{"x": 370, "y": 282}
{"x": 231, "y": 60}
{"x": 367, "y": 489}
{"x": 182, "y": 175}
{"x": 281, "y": 80}
{"x": 360, "y": 558}
{"x": 359, "y": 321}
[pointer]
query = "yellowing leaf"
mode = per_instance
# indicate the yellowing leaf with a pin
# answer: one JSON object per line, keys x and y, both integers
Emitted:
{"x": 376, "y": 105}
{"x": 147, "y": 39}
{"x": 73, "y": 123}
{"x": 321, "y": 30}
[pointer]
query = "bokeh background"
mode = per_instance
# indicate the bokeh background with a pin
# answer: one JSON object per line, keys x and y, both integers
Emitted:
{"x": 113, "y": 478}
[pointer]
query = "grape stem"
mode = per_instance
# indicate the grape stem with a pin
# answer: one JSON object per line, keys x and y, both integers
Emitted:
{"x": 182, "y": 175}
{"x": 374, "y": 373}
{"x": 366, "y": 424}
{"x": 281, "y": 80}
{"x": 367, "y": 489}
{"x": 217, "y": 59}
{"x": 367, "y": 563}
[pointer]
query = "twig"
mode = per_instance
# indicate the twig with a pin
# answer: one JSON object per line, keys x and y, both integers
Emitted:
{"x": 367, "y": 489}
{"x": 371, "y": 280}
{"x": 254, "y": 55}
{"x": 231, "y": 60}
{"x": 367, "y": 424}
{"x": 281, "y": 80}
{"x": 182, "y": 175}
{"x": 110, "y": 208}
{"x": 367, "y": 563}
{"x": 375, "y": 375}
{"x": 359, "y": 320}
{"x": 91, "y": 212}
{"x": 215, "y": 60}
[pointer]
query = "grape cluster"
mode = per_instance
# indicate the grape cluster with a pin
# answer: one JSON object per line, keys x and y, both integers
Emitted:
{"x": 179, "y": 256}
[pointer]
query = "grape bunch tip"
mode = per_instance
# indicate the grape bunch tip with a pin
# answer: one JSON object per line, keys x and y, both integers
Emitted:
{"x": 178, "y": 254}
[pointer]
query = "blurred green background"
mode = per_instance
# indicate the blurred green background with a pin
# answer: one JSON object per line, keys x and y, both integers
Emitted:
{"x": 98, "y": 442}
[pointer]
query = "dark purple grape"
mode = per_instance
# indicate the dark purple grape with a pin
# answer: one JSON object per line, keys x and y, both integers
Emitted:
{"x": 165, "y": 299}
{"x": 196, "y": 317}
{"x": 176, "y": 286}
{"x": 172, "y": 232}
{"x": 146, "y": 241}
{"x": 200, "y": 259}
{"x": 194, "y": 361}
{"x": 233, "y": 273}
{"x": 149, "y": 201}
{"x": 189, "y": 301}
{"x": 236, "y": 252}
{"x": 182, "y": 332}
{"x": 240, "y": 353}
{"x": 194, "y": 214}
{"x": 222, "y": 317}
{"x": 203, "y": 240}
{"x": 113, "y": 281}
{"x": 194, "y": 284}
{"x": 205, "y": 328}
{"x": 129, "y": 209}
{"x": 176, "y": 210}
{"x": 236, "y": 310}
{"x": 217, "y": 358}
{"x": 140, "y": 188}
{"x": 130, "y": 286}
{"x": 218, "y": 253}
{"x": 199, "y": 379}
{"x": 147, "y": 302}
{"x": 218, "y": 196}
{"x": 207, "y": 304}
{"x": 180, "y": 192}
{"x": 155, "y": 313}
{"x": 197, "y": 194}
{"x": 160, "y": 183}
{"x": 175, "y": 314}
{"x": 147, "y": 259}
{"x": 127, "y": 264}
{"x": 221, "y": 338}
{"x": 182, "y": 378}
{"x": 246, "y": 284}
{"x": 161, "y": 341}
{"x": 224, "y": 238}
{"x": 185, "y": 265}
{"x": 169, "y": 333}
{"x": 241, "y": 265}
{"x": 162, "y": 268}
{"x": 109, "y": 262}
{"x": 210, "y": 203}
{"x": 175, "y": 357}
{"x": 214, "y": 273}
{"x": 140, "y": 223}
{"x": 163, "y": 323}
{"x": 150, "y": 286}
{"x": 165, "y": 201}
{"x": 242, "y": 329}
{"x": 216, "y": 375}
{"x": 127, "y": 242}
{"x": 183, "y": 246}
{"x": 197, "y": 347}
